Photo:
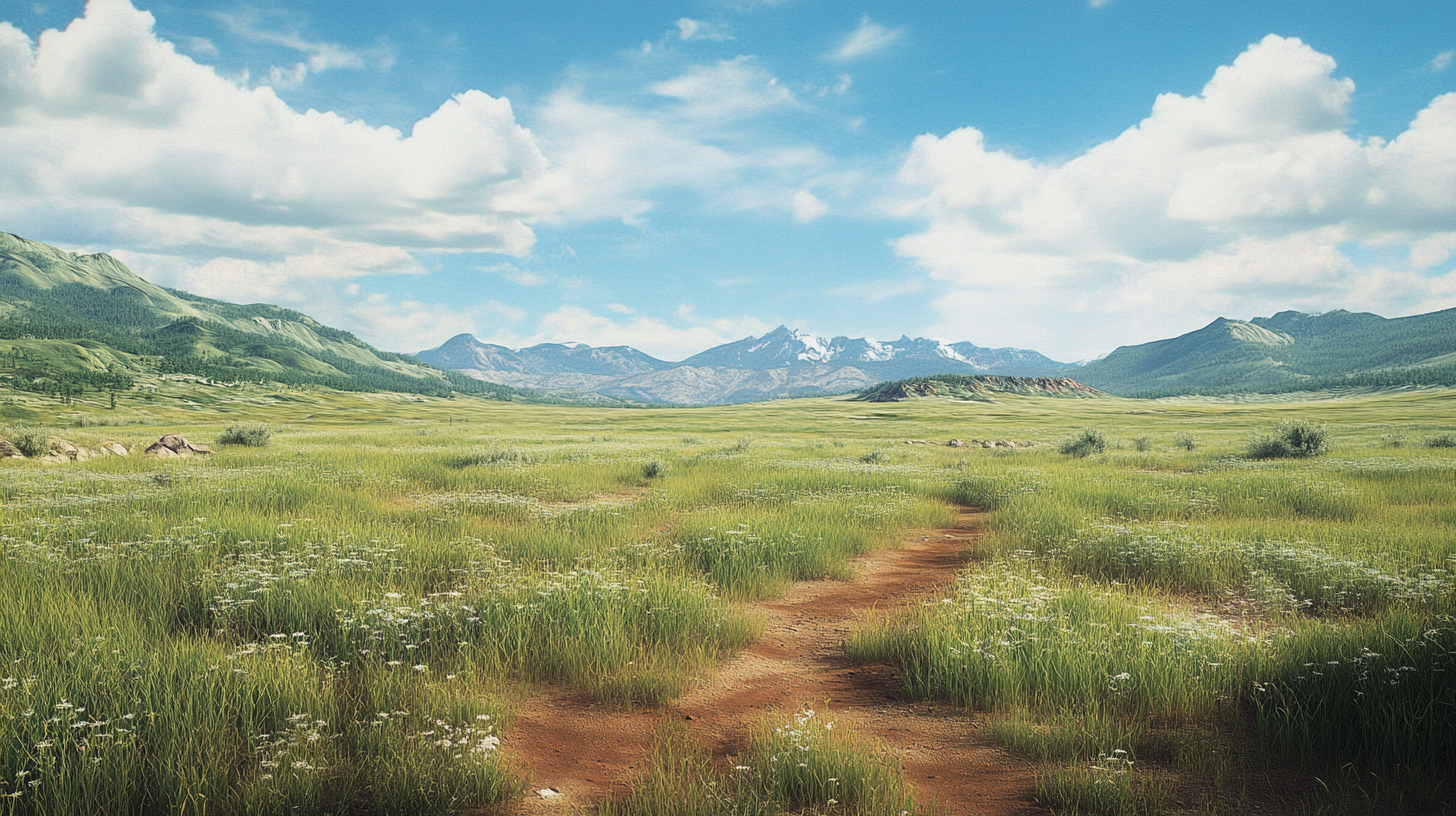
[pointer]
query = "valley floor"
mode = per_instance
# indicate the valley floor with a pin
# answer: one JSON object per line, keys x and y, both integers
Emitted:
{"x": 406, "y": 604}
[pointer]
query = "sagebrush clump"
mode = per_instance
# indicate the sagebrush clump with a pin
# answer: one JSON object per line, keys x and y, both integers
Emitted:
{"x": 1089, "y": 441}
{"x": 248, "y": 434}
{"x": 30, "y": 441}
{"x": 1292, "y": 438}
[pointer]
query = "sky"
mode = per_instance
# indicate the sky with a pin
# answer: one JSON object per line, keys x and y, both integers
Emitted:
{"x": 1068, "y": 177}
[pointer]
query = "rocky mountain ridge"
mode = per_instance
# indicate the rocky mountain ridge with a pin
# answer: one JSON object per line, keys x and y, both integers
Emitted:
{"x": 782, "y": 363}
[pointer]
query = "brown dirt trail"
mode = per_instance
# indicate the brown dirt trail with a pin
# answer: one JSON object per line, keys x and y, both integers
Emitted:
{"x": 585, "y": 751}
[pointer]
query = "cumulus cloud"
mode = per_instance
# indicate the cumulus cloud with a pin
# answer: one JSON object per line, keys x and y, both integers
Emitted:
{"x": 1242, "y": 199}
{"x": 868, "y": 38}
{"x": 106, "y": 115}
{"x": 112, "y": 137}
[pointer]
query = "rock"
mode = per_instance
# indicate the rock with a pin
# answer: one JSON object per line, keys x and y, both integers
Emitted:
{"x": 67, "y": 452}
{"x": 175, "y": 445}
{"x": 955, "y": 443}
{"x": 9, "y": 451}
{"x": 113, "y": 448}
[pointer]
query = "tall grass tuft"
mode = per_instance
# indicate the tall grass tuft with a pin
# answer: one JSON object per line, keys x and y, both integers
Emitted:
{"x": 1444, "y": 440}
{"x": 805, "y": 765}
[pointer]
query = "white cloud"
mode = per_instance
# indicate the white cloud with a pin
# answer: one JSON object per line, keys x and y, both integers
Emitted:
{"x": 868, "y": 38}
{"x": 730, "y": 89}
{"x": 201, "y": 46}
{"x": 609, "y": 159}
{"x": 1239, "y": 201}
{"x": 319, "y": 56}
{"x": 808, "y": 207}
{"x": 1442, "y": 61}
{"x": 664, "y": 340}
{"x": 690, "y": 29}
{"x": 108, "y": 130}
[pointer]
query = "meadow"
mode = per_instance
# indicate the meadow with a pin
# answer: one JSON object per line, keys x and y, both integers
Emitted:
{"x": 346, "y": 619}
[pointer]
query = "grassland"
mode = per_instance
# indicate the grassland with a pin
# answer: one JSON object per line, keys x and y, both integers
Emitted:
{"x": 345, "y": 619}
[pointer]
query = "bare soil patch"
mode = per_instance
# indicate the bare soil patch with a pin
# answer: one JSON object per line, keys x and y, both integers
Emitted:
{"x": 585, "y": 751}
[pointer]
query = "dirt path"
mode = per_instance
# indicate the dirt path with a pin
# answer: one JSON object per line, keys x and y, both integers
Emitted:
{"x": 585, "y": 751}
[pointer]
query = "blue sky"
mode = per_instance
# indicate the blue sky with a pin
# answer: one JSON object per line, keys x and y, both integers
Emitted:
{"x": 1064, "y": 176}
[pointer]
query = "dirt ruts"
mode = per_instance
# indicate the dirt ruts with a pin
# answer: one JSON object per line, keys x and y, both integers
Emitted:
{"x": 583, "y": 751}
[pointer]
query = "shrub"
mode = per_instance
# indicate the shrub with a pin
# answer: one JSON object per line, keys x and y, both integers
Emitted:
{"x": 31, "y": 441}
{"x": 1186, "y": 441}
{"x": 1089, "y": 441}
{"x": 495, "y": 456}
{"x": 1143, "y": 443}
{"x": 1444, "y": 440}
{"x": 1292, "y": 438}
{"x": 1394, "y": 439}
{"x": 875, "y": 457}
{"x": 248, "y": 434}
{"x": 655, "y": 469}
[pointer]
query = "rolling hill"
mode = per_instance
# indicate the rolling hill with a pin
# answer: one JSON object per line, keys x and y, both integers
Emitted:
{"x": 977, "y": 388}
{"x": 70, "y": 322}
{"x": 1287, "y": 352}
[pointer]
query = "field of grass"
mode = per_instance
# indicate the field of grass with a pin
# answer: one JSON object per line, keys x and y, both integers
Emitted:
{"x": 345, "y": 618}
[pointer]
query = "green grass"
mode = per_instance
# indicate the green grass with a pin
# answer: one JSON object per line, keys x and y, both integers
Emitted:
{"x": 390, "y": 568}
{"x": 801, "y": 764}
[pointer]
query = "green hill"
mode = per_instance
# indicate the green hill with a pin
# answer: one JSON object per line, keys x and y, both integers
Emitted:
{"x": 1291, "y": 351}
{"x": 72, "y": 322}
{"x": 978, "y": 387}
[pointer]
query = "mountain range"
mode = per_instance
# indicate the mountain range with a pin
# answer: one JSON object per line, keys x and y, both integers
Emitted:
{"x": 71, "y": 322}
{"x": 781, "y": 363}
{"x": 1287, "y": 352}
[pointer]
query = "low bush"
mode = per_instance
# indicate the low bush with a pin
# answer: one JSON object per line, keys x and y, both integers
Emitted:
{"x": 655, "y": 469}
{"x": 247, "y": 434}
{"x": 1444, "y": 440}
{"x": 1186, "y": 441}
{"x": 1292, "y": 438}
{"x": 31, "y": 441}
{"x": 1143, "y": 444}
{"x": 1089, "y": 441}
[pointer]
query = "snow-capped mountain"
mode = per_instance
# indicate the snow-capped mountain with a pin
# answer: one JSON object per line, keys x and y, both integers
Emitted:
{"x": 783, "y": 362}
{"x": 784, "y": 347}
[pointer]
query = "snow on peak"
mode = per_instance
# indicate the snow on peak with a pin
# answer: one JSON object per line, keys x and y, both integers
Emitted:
{"x": 946, "y": 351}
{"x": 876, "y": 352}
{"x": 816, "y": 348}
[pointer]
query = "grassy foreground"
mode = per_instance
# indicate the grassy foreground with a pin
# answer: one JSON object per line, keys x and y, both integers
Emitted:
{"x": 344, "y": 620}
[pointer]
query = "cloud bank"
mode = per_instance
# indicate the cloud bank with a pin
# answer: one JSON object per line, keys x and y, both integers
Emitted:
{"x": 1247, "y": 197}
